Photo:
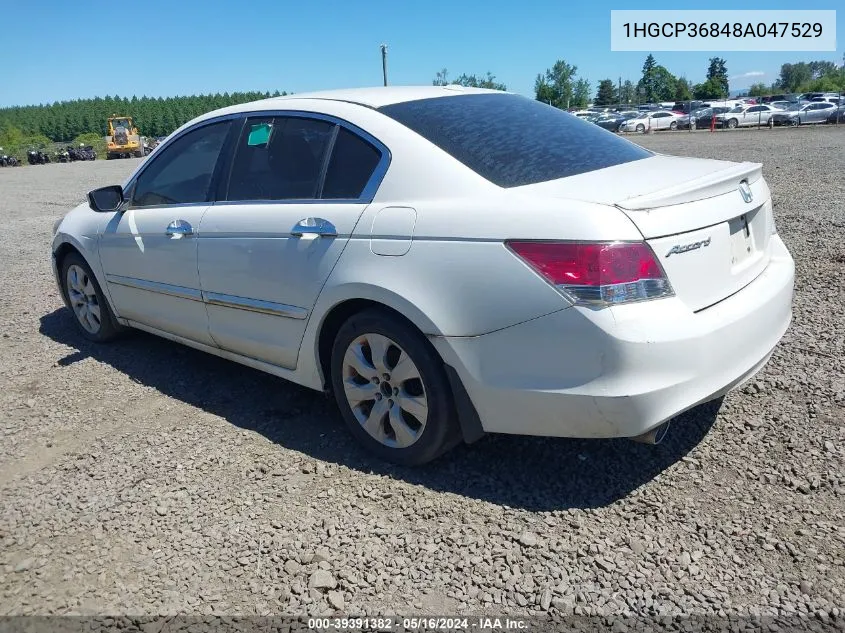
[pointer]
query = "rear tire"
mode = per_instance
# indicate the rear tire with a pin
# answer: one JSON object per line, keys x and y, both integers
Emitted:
{"x": 391, "y": 389}
{"x": 673, "y": 125}
{"x": 91, "y": 311}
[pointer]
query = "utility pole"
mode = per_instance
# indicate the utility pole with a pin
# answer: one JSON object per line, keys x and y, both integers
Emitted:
{"x": 384, "y": 62}
{"x": 619, "y": 92}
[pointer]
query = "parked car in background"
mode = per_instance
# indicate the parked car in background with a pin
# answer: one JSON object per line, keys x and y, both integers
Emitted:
{"x": 778, "y": 97}
{"x": 685, "y": 107}
{"x": 799, "y": 114}
{"x": 837, "y": 116}
{"x": 700, "y": 118}
{"x": 659, "y": 120}
{"x": 746, "y": 115}
{"x": 835, "y": 100}
{"x": 780, "y": 105}
{"x": 615, "y": 120}
{"x": 305, "y": 241}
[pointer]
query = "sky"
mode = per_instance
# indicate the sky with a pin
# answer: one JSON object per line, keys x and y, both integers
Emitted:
{"x": 92, "y": 48}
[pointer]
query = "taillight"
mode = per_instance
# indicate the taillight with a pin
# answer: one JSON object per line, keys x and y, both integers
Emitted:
{"x": 770, "y": 213}
{"x": 602, "y": 273}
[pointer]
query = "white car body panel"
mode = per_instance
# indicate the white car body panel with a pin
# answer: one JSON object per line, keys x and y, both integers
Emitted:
{"x": 430, "y": 245}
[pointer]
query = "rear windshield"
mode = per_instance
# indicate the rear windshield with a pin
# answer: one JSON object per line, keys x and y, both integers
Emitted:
{"x": 512, "y": 140}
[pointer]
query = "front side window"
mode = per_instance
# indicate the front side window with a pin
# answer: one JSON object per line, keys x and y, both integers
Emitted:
{"x": 279, "y": 158}
{"x": 182, "y": 172}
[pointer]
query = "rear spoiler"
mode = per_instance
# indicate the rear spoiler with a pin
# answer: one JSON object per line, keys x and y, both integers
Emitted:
{"x": 711, "y": 185}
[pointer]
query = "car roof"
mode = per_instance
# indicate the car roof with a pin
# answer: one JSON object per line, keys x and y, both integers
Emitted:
{"x": 375, "y": 97}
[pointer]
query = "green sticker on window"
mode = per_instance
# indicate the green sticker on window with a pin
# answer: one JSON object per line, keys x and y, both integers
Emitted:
{"x": 259, "y": 134}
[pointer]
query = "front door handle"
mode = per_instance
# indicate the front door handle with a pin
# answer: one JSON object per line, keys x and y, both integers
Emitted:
{"x": 178, "y": 229}
{"x": 314, "y": 226}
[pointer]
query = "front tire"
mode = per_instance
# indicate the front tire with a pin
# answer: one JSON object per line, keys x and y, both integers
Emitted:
{"x": 732, "y": 123}
{"x": 92, "y": 314}
{"x": 640, "y": 128}
{"x": 391, "y": 389}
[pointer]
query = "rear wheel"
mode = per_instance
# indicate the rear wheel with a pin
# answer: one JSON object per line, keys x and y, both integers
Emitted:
{"x": 93, "y": 315}
{"x": 391, "y": 389}
{"x": 673, "y": 125}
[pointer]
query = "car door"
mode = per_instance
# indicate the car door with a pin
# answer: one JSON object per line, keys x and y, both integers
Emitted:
{"x": 148, "y": 249}
{"x": 820, "y": 111}
{"x": 659, "y": 121}
{"x": 756, "y": 115}
{"x": 297, "y": 187}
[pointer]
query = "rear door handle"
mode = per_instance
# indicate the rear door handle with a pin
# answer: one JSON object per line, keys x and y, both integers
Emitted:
{"x": 314, "y": 226}
{"x": 178, "y": 229}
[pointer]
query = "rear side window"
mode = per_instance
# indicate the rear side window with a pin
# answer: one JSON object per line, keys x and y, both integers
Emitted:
{"x": 352, "y": 164}
{"x": 279, "y": 158}
{"x": 511, "y": 140}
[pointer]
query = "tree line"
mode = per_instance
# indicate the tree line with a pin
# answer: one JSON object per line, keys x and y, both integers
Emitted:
{"x": 561, "y": 86}
{"x": 66, "y": 121}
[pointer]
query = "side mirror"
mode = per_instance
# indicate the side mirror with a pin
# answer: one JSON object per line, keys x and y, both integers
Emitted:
{"x": 106, "y": 199}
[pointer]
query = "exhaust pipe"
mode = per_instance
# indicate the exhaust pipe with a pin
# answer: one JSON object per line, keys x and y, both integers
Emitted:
{"x": 654, "y": 436}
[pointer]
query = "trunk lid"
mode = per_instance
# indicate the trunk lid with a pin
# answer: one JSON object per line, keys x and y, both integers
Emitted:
{"x": 711, "y": 239}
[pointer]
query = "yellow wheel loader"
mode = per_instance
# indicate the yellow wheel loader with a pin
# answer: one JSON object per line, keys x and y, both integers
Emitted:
{"x": 123, "y": 140}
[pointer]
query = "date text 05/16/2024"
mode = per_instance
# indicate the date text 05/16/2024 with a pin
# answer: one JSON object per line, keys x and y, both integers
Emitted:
{"x": 418, "y": 623}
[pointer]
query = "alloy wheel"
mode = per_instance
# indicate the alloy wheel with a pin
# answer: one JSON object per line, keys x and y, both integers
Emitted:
{"x": 83, "y": 299}
{"x": 385, "y": 391}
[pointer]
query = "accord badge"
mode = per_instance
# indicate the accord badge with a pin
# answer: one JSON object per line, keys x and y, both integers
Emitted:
{"x": 683, "y": 248}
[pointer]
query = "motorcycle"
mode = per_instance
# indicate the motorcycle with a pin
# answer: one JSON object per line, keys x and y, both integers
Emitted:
{"x": 37, "y": 157}
{"x": 83, "y": 152}
{"x": 62, "y": 156}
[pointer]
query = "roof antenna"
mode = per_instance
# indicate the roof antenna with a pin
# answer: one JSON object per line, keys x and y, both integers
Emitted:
{"x": 384, "y": 62}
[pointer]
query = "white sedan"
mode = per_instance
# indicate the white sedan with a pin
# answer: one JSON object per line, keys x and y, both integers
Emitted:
{"x": 747, "y": 115}
{"x": 657, "y": 120}
{"x": 446, "y": 261}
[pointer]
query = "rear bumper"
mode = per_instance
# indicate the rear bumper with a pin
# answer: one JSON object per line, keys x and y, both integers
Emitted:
{"x": 621, "y": 371}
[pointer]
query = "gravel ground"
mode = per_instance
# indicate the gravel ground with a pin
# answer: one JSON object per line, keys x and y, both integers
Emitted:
{"x": 148, "y": 478}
